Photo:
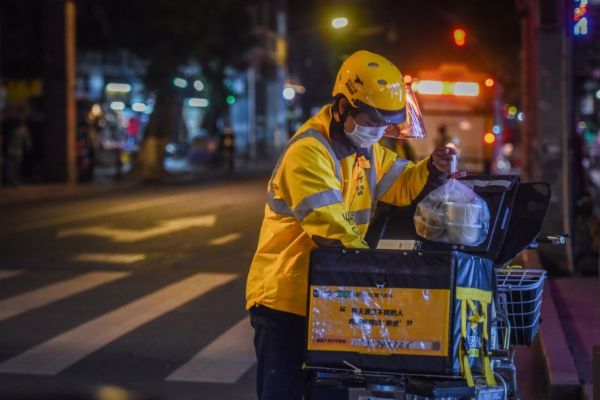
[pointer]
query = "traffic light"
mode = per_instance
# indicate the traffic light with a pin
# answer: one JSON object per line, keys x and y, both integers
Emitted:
{"x": 459, "y": 37}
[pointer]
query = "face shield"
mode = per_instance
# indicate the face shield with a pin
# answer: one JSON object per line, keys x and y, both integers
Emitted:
{"x": 406, "y": 123}
{"x": 413, "y": 126}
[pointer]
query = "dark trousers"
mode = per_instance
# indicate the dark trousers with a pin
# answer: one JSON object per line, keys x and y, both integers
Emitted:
{"x": 279, "y": 344}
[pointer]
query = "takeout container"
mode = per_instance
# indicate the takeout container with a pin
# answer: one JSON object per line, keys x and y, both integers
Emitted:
{"x": 463, "y": 213}
{"x": 427, "y": 230}
{"x": 466, "y": 234}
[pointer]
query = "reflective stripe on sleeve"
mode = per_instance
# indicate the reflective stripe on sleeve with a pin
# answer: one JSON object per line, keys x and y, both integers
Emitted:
{"x": 319, "y": 136}
{"x": 390, "y": 177}
{"x": 315, "y": 201}
{"x": 362, "y": 216}
{"x": 279, "y": 206}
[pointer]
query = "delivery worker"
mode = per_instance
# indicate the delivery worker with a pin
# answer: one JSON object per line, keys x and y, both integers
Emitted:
{"x": 322, "y": 193}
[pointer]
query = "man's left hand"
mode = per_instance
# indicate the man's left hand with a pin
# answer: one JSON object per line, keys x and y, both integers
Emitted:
{"x": 441, "y": 158}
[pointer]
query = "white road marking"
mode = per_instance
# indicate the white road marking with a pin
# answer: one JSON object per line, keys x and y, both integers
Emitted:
{"x": 100, "y": 212}
{"x": 49, "y": 294}
{"x": 225, "y": 360}
{"x": 109, "y": 258}
{"x": 60, "y": 352}
{"x": 232, "y": 237}
{"x": 128, "y": 236}
{"x": 5, "y": 274}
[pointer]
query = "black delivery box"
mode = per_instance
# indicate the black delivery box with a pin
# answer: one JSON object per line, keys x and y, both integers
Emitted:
{"x": 390, "y": 311}
{"x": 498, "y": 191}
{"x": 517, "y": 212}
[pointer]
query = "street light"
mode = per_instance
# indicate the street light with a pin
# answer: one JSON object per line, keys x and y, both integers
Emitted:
{"x": 339, "y": 23}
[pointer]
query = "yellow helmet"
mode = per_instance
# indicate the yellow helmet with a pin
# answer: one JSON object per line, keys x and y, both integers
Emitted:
{"x": 372, "y": 83}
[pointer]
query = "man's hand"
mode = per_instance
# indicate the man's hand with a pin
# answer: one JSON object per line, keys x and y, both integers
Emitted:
{"x": 441, "y": 158}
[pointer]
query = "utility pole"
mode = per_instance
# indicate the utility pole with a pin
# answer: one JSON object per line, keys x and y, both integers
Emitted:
{"x": 2, "y": 103}
{"x": 59, "y": 91}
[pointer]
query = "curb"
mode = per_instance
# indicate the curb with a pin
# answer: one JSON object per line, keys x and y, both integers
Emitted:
{"x": 561, "y": 374}
{"x": 50, "y": 191}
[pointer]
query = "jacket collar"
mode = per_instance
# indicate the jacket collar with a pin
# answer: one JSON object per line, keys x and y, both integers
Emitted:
{"x": 342, "y": 146}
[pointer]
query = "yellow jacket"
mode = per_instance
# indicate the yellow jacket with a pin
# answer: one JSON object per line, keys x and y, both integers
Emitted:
{"x": 322, "y": 192}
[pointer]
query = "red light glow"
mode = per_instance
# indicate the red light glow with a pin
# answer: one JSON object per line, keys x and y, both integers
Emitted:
{"x": 459, "y": 37}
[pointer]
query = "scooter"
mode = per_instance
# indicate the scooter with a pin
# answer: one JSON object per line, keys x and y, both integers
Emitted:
{"x": 355, "y": 283}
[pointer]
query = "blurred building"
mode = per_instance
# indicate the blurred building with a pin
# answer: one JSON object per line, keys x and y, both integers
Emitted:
{"x": 109, "y": 94}
{"x": 561, "y": 77}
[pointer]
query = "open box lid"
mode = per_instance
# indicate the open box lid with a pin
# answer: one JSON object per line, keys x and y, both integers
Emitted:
{"x": 517, "y": 212}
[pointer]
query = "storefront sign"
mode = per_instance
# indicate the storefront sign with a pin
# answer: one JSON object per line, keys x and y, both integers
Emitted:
{"x": 580, "y": 17}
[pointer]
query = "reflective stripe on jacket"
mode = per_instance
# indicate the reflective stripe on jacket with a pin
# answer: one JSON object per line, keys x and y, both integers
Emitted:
{"x": 313, "y": 197}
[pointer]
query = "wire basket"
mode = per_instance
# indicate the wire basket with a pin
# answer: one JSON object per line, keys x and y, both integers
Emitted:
{"x": 519, "y": 294}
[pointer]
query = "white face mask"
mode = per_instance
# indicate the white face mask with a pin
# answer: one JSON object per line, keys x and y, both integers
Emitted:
{"x": 365, "y": 136}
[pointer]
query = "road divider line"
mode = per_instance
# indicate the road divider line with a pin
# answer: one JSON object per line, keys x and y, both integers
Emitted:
{"x": 128, "y": 235}
{"x": 5, "y": 274}
{"x": 225, "y": 360}
{"x": 220, "y": 241}
{"x": 49, "y": 294}
{"x": 102, "y": 212}
{"x": 109, "y": 258}
{"x": 60, "y": 352}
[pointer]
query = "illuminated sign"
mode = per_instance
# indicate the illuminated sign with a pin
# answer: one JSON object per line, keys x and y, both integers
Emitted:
{"x": 448, "y": 88}
{"x": 580, "y": 17}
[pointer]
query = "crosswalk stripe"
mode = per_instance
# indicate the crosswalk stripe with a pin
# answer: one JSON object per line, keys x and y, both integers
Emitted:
{"x": 60, "y": 352}
{"x": 109, "y": 258}
{"x": 9, "y": 274}
{"x": 224, "y": 360}
{"x": 232, "y": 237}
{"x": 96, "y": 213}
{"x": 49, "y": 294}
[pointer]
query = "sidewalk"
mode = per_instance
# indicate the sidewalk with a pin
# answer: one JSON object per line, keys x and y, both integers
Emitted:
{"x": 106, "y": 182}
{"x": 569, "y": 330}
{"x": 47, "y": 191}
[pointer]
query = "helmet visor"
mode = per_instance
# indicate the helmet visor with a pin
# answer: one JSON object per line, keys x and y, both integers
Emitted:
{"x": 384, "y": 103}
{"x": 412, "y": 127}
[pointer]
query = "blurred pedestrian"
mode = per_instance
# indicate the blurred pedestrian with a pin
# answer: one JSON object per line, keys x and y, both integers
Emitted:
{"x": 18, "y": 143}
{"x": 85, "y": 152}
{"x": 401, "y": 147}
{"x": 443, "y": 138}
{"x": 227, "y": 147}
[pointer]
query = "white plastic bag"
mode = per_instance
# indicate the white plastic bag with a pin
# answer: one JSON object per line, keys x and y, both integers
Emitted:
{"x": 453, "y": 213}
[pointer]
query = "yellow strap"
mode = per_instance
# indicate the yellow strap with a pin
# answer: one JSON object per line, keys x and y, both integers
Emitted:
{"x": 487, "y": 370}
{"x": 475, "y": 319}
{"x": 465, "y": 368}
{"x": 484, "y": 311}
{"x": 463, "y": 293}
{"x": 463, "y": 319}
{"x": 485, "y": 357}
{"x": 467, "y": 371}
{"x": 461, "y": 354}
